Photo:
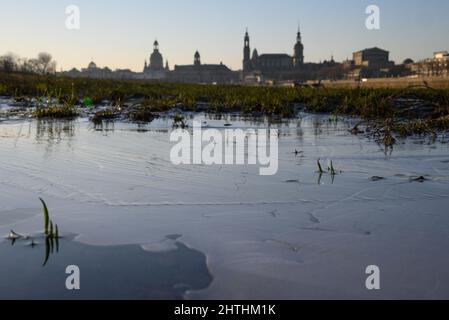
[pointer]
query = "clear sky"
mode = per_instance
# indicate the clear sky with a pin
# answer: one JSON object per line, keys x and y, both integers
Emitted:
{"x": 120, "y": 34}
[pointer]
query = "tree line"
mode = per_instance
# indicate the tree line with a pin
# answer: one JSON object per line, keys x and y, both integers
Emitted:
{"x": 42, "y": 64}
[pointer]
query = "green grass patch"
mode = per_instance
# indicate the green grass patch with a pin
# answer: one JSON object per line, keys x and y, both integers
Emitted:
{"x": 58, "y": 112}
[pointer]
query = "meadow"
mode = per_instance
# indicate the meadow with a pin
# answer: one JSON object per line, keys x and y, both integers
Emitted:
{"x": 413, "y": 110}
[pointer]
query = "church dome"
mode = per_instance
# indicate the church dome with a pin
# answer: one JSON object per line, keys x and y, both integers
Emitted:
{"x": 92, "y": 65}
{"x": 156, "y": 59}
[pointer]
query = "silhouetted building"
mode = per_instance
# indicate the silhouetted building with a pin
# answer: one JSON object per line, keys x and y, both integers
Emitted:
{"x": 371, "y": 63}
{"x": 155, "y": 69}
{"x": 372, "y": 58}
{"x": 247, "y": 64}
{"x": 92, "y": 71}
{"x": 123, "y": 74}
{"x": 298, "y": 56}
{"x": 281, "y": 67}
{"x": 263, "y": 68}
{"x": 203, "y": 73}
{"x": 272, "y": 64}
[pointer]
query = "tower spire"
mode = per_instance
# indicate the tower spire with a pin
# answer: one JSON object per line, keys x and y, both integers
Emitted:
{"x": 298, "y": 55}
{"x": 197, "y": 58}
{"x": 246, "y": 53}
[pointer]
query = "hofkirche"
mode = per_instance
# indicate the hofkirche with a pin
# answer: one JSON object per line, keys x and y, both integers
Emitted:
{"x": 273, "y": 62}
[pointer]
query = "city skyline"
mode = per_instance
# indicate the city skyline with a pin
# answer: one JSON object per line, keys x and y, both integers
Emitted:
{"x": 121, "y": 37}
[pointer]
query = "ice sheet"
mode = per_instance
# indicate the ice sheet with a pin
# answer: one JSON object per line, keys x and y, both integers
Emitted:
{"x": 292, "y": 235}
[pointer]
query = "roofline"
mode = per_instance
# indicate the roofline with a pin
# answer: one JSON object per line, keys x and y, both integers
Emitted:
{"x": 274, "y": 54}
{"x": 373, "y": 48}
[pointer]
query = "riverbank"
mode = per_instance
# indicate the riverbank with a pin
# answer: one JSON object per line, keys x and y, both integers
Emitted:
{"x": 396, "y": 83}
{"x": 403, "y": 111}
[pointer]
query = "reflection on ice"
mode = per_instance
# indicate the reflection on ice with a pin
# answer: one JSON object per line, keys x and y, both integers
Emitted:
{"x": 118, "y": 272}
{"x": 54, "y": 131}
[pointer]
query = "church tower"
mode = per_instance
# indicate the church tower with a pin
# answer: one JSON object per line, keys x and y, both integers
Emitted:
{"x": 298, "y": 54}
{"x": 246, "y": 54}
{"x": 197, "y": 59}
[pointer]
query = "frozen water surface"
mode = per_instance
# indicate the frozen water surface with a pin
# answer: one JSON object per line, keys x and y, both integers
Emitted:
{"x": 294, "y": 235}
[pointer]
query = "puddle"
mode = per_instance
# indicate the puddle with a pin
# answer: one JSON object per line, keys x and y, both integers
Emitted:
{"x": 113, "y": 272}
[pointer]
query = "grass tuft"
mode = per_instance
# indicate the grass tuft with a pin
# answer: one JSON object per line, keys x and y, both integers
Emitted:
{"x": 320, "y": 168}
{"x": 46, "y": 217}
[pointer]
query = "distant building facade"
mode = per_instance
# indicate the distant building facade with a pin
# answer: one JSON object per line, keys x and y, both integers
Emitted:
{"x": 372, "y": 58}
{"x": 438, "y": 66}
{"x": 273, "y": 68}
{"x": 370, "y": 63}
{"x": 203, "y": 73}
{"x": 282, "y": 67}
{"x": 92, "y": 71}
{"x": 154, "y": 69}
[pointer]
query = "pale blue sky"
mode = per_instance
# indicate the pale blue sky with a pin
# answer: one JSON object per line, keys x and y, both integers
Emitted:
{"x": 120, "y": 33}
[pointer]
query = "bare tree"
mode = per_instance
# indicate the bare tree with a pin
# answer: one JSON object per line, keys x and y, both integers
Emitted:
{"x": 24, "y": 66}
{"x": 33, "y": 66}
{"x": 45, "y": 62}
{"x": 8, "y": 62}
{"x": 52, "y": 67}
